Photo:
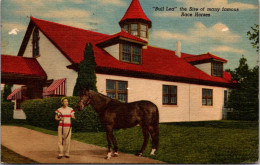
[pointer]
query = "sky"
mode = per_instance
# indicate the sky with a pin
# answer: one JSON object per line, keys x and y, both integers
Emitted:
{"x": 223, "y": 33}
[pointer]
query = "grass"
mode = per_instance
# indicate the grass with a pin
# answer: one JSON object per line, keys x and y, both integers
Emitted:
{"x": 8, "y": 156}
{"x": 187, "y": 142}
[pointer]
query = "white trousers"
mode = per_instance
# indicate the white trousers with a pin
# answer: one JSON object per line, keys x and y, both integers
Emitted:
{"x": 65, "y": 147}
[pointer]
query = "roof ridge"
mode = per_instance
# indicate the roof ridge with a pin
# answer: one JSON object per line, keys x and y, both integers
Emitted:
{"x": 168, "y": 49}
{"x": 33, "y": 18}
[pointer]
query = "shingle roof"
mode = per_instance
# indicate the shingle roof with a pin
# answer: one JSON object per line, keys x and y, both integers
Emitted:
{"x": 202, "y": 57}
{"x": 71, "y": 42}
{"x": 135, "y": 12}
{"x": 21, "y": 65}
{"x": 123, "y": 34}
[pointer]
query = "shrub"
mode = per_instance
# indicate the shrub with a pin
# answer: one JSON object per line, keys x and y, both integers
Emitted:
{"x": 7, "y": 111}
{"x": 41, "y": 112}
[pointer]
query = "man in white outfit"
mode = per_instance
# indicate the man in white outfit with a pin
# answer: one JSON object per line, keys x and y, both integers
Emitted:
{"x": 64, "y": 115}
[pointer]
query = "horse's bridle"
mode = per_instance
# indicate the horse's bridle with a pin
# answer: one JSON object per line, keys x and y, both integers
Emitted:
{"x": 87, "y": 102}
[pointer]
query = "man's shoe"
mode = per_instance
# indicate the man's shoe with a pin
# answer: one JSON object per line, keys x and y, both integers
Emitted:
{"x": 66, "y": 156}
{"x": 59, "y": 157}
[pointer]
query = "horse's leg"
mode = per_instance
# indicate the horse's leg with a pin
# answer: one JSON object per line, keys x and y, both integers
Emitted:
{"x": 115, "y": 145}
{"x": 154, "y": 132}
{"x": 111, "y": 139}
{"x": 146, "y": 138}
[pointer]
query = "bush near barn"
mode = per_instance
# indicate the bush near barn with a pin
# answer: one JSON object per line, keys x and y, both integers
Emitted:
{"x": 7, "y": 111}
{"x": 41, "y": 113}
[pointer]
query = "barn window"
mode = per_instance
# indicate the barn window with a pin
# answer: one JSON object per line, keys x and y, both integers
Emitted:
{"x": 217, "y": 69}
{"x": 169, "y": 94}
{"x": 131, "y": 53}
{"x": 207, "y": 97}
{"x": 35, "y": 42}
{"x": 117, "y": 90}
{"x": 137, "y": 29}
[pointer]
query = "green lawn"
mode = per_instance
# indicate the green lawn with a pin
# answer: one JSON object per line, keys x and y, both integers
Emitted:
{"x": 9, "y": 156}
{"x": 188, "y": 142}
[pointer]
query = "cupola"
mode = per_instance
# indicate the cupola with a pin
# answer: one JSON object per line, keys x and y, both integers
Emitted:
{"x": 135, "y": 21}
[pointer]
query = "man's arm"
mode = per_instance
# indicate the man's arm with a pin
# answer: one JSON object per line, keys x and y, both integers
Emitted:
{"x": 73, "y": 116}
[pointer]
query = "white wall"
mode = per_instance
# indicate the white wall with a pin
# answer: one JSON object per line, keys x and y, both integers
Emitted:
{"x": 205, "y": 67}
{"x": 189, "y": 98}
{"x": 113, "y": 50}
{"x": 53, "y": 62}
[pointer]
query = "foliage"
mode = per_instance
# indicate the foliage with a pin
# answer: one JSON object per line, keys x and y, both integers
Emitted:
{"x": 86, "y": 73}
{"x": 244, "y": 100}
{"x": 7, "y": 111}
{"x": 218, "y": 142}
{"x": 7, "y": 91}
{"x": 254, "y": 36}
{"x": 41, "y": 112}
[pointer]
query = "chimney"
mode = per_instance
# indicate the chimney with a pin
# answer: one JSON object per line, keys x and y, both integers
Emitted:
{"x": 178, "y": 49}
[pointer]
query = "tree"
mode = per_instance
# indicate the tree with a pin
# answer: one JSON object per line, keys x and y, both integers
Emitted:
{"x": 244, "y": 100}
{"x": 254, "y": 37}
{"x": 7, "y": 91}
{"x": 86, "y": 74}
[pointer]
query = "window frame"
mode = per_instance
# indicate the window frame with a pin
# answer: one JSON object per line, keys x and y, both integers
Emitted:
{"x": 169, "y": 94}
{"x": 139, "y": 29}
{"x": 131, "y": 53}
{"x": 35, "y": 43}
{"x": 116, "y": 90}
{"x": 207, "y": 97}
{"x": 225, "y": 98}
{"x": 219, "y": 69}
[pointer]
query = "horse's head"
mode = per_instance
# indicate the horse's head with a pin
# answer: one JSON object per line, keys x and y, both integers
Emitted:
{"x": 85, "y": 99}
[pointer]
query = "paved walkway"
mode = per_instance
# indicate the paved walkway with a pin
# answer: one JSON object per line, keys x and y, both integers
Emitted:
{"x": 43, "y": 148}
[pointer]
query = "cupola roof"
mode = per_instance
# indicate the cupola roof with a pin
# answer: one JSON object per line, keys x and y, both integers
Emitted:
{"x": 135, "y": 13}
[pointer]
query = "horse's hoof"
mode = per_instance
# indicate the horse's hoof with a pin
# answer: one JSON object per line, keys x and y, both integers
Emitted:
{"x": 107, "y": 157}
{"x": 115, "y": 154}
{"x": 139, "y": 154}
{"x": 153, "y": 151}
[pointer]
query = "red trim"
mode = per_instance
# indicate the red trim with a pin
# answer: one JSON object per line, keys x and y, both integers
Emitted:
{"x": 66, "y": 115}
{"x": 64, "y": 125}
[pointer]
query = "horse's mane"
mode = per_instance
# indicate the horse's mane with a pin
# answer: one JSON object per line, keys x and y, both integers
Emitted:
{"x": 111, "y": 99}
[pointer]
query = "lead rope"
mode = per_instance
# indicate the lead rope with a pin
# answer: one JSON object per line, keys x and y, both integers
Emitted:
{"x": 62, "y": 127}
{"x": 63, "y": 131}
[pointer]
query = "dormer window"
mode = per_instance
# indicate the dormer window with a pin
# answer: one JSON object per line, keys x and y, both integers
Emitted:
{"x": 130, "y": 53}
{"x": 137, "y": 29}
{"x": 217, "y": 69}
{"x": 35, "y": 42}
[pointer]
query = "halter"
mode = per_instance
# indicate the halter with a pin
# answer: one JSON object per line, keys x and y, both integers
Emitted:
{"x": 87, "y": 102}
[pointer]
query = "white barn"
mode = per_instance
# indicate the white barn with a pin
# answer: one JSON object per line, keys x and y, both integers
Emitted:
{"x": 185, "y": 87}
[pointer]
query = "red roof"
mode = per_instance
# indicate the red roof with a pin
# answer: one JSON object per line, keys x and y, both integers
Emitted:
{"x": 123, "y": 34}
{"x": 21, "y": 65}
{"x": 135, "y": 12}
{"x": 203, "y": 57}
{"x": 71, "y": 42}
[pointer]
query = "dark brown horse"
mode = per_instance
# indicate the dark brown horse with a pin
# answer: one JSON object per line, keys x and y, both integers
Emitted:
{"x": 114, "y": 114}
